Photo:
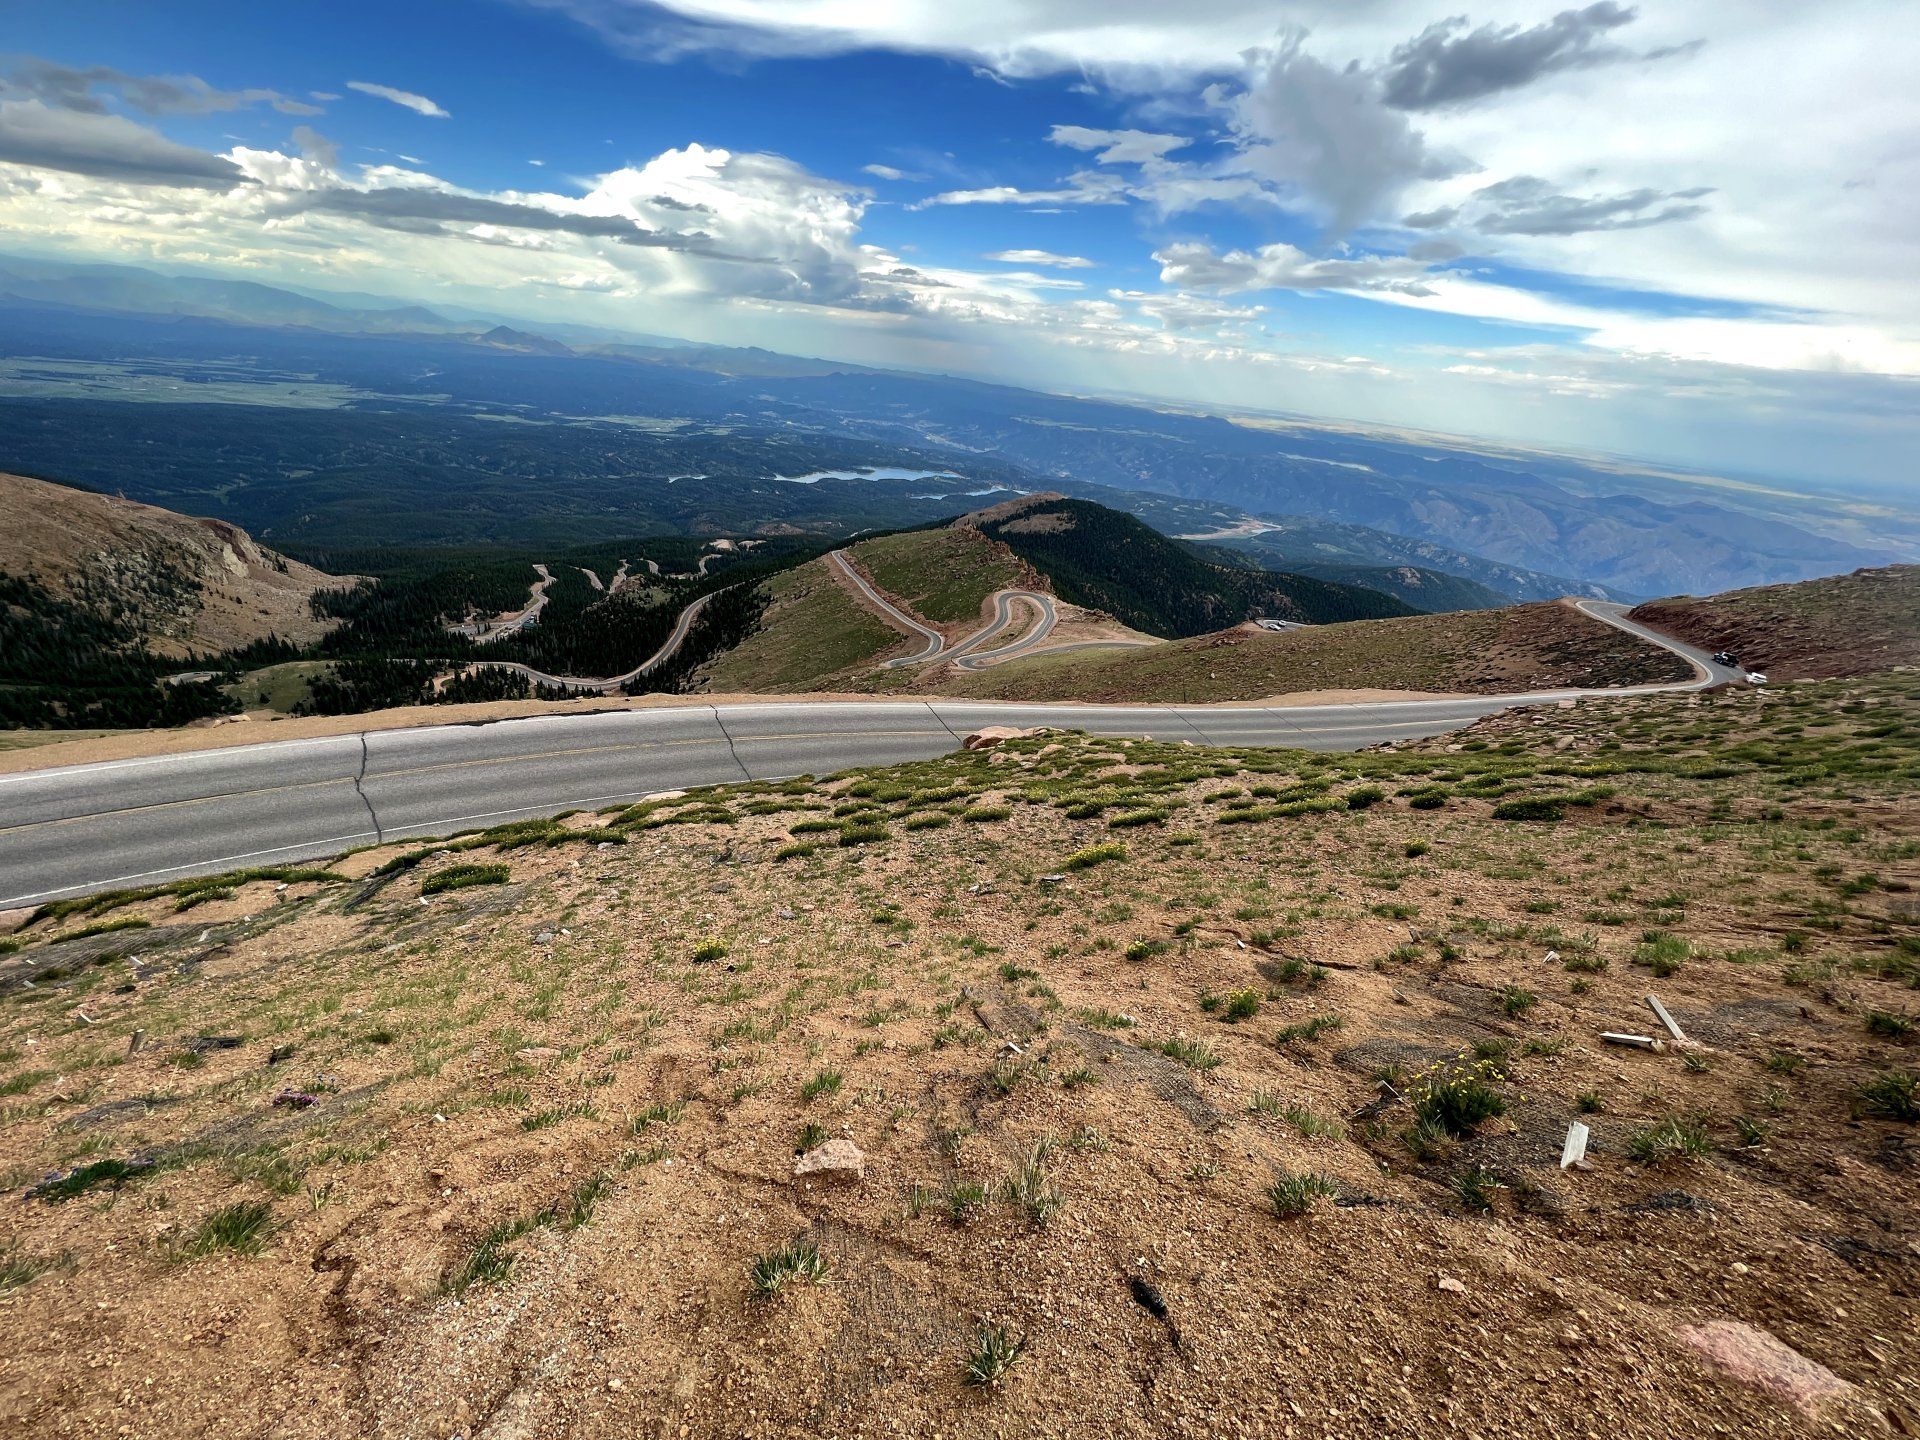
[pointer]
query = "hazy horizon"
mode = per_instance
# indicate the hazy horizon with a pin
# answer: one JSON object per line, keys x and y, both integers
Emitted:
{"x": 1546, "y": 227}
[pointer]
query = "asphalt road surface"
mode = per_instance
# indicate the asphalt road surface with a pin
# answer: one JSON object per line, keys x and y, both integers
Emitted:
{"x": 83, "y": 828}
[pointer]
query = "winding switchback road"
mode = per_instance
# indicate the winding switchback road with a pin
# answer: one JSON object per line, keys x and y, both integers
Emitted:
{"x": 967, "y": 653}
{"x": 900, "y": 619}
{"x": 604, "y": 685}
{"x": 83, "y": 828}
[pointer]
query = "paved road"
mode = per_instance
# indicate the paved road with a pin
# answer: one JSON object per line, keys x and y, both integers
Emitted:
{"x": 968, "y": 656}
{"x": 606, "y": 685}
{"x": 967, "y": 653}
{"x": 936, "y": 642}
{"x": 478, "y": 630}
{"x": 84, "y": 828}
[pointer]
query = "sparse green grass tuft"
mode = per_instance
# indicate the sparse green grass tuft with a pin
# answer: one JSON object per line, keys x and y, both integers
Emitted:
{"x": 1194, "y": 1054}
{"x": 1292, "y": 1195}
{"x": 1474, "y": 1187}
{"x": 1890, "y": 1025}
{"x": 1669, "y": 1139}
{"x": 995, "y": 1352}
{"x": 1891, "y": 1095}
{"x": 461, "y": 877}
{"x": 826, "y": 1082}
{"x": 1095, "y": 855}
{"x": 800, "y": 1261}
{"x": 242, "y": 1227}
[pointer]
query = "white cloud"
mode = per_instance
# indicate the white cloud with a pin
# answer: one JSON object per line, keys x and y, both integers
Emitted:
{"x": 1041, "y": 257}
{"x": 419, "y": 104}
{"x": 1083, "y": 187}
{"x": 1285, "y": 267}
{"x": 1600, "y": 109}
{"x": 1118, "y": 147}
{"x": 884, "y": 172}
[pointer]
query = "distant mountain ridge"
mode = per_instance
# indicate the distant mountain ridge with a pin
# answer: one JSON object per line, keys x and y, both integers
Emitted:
{"x": 129, "y": 289}
{"x": 1429, "y": 591}
{"x": 1485, "y": 509}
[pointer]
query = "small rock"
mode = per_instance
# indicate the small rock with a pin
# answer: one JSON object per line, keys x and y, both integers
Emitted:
{"x": 534, "y": 1054}
{"x": 1755, "y": 1357}
{"x": 989, "y": 736}
{"x": 837, "y": 1159}
{"x": 1451, "y": 1285}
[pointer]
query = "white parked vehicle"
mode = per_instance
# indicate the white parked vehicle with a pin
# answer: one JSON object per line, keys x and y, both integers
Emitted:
{"x": 1754, "y": 677}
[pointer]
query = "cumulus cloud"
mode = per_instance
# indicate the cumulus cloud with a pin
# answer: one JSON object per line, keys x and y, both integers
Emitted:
{"x": 1041, "y": 257}
{"x": 406, "y": 99}
{"x": 109, "y": 147}
{"x": 1181, "y": 312}
{"x": 315, "y": 146}
{"x": 1319, "y": 132}
{"x": 424, "y": 209}
{"x": 1194, "y": 266}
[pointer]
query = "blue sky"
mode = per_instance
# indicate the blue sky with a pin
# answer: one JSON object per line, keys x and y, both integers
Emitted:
{"x": 1677, "y": 231}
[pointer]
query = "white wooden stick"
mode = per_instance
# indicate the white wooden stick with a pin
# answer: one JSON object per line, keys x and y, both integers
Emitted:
{"x": 1667, "y": 1020}
{"x": 1638, "y": 1042}
{"x": 1574, "y": 1152}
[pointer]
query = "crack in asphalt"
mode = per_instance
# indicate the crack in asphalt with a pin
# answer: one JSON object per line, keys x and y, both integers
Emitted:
{"x": 1181, "y": 716}
{"x": 943, "y": 722}
{"x": 360, "y": 789}
{"x": 745, "y": 773}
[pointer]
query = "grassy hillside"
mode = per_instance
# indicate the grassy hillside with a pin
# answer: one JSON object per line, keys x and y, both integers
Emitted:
{"x": 1524, "y": 647}
{"x": 944, "y": 575}
{"x": 811, "y": 632}
{"x": 1432, "y": 592}
{"x": 439, "y": 1140}
{"x": 1844, "y": 625}
{"x": 1106, "y": 560}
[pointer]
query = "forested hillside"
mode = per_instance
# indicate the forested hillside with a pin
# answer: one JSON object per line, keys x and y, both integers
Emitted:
{"x": 66, "y": 665}
{"x": 1106, "y": 560}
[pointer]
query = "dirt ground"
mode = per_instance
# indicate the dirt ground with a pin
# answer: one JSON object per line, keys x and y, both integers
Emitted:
{"x": 374, "y": 1152}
